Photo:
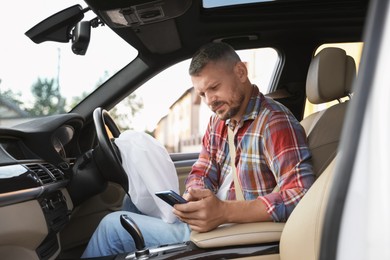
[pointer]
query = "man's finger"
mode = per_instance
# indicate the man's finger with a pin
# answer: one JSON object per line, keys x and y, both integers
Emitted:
{"x": 199, "y": 194}
{"x": 188, "y": 207}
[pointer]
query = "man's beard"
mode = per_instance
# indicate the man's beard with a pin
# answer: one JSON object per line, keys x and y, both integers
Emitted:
{"x": 231, "y": 112}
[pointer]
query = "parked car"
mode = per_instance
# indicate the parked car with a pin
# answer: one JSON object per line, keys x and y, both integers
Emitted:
{"x": 97, "y": 68}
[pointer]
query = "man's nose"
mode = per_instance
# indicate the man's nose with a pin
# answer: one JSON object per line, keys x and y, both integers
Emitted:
{"x": 209, "y": 99}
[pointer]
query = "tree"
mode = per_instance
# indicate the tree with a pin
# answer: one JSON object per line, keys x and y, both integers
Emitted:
{"x": 12, "y": 97}
{"x": 48, "y": 99}
{"x": 123, "y": 112}
{"x": 12, "y": 100}
{"x": 76, "y": 100}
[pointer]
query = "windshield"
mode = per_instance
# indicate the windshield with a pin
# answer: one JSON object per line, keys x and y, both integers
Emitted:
{"x": 48, "y": 78}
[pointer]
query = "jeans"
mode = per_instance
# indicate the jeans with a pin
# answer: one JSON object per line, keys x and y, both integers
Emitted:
{"x": 110, "y": 238}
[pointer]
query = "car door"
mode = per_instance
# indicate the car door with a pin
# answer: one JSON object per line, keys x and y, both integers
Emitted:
{"x": 356, "y": 223}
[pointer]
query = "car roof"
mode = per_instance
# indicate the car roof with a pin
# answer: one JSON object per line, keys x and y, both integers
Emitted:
{"x": 294, "y": 28}
{"x": 190, "y": 25}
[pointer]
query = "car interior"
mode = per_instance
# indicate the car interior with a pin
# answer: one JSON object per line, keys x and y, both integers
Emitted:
{"x": 61, "y": 174}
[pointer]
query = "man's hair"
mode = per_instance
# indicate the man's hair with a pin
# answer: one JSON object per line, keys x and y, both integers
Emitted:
{"x": 212, "y": 52}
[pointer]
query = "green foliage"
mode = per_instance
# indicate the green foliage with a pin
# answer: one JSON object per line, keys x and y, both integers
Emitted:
{"x": 76, "y": 100}
{"x": 48, "y": 99}
{"x": 125, "y": 111}
{"x": 12, "y": 96}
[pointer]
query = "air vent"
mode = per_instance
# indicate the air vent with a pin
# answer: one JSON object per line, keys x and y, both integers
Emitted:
{"x": 58, "y": 175}
{"x": 46, "y": 172}
{"x": 42, "y": 174}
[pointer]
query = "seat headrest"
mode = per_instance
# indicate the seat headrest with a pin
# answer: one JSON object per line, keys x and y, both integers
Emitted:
{"x": 330, "y": 76}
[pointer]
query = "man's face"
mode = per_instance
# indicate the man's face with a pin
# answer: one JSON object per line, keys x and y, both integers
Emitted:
{"x": 220, "y": 88}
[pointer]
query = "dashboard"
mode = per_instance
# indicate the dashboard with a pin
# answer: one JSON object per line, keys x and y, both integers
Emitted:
{"x": 36, "y": 160}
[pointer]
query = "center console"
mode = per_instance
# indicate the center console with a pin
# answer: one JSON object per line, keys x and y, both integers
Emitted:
{"x": 55, "y": 210}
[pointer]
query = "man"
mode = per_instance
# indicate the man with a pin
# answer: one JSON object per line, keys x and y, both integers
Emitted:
{"x": 271, "y": 151}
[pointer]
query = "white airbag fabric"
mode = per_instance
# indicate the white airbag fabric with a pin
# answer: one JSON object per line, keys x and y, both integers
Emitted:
{"x": 149, "y": 169}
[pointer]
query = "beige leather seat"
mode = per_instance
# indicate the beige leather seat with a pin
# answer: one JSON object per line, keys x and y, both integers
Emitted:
{"x": 301, "y": 236}
{"x": 329, "y": 78}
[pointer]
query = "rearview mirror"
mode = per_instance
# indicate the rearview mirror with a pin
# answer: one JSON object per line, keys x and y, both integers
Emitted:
{"x": 58, "y": 26}
{"x": 80, "y": 37}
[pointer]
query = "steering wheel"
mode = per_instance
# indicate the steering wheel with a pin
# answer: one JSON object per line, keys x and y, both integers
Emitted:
{"x": 106, "y": 153}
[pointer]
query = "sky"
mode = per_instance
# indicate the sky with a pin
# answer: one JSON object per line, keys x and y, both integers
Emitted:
{"x": 22, "y": 60}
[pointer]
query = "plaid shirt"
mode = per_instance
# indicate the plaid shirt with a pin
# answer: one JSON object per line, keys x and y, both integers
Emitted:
{"x": 271, "y": 150}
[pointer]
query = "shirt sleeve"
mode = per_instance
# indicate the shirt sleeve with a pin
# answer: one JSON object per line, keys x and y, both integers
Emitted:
{"x": 204, "y": 172}
{"x": 288, "y": 156}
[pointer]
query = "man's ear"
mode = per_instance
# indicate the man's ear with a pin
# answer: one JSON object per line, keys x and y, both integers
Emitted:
{"x": 241, "y": 71}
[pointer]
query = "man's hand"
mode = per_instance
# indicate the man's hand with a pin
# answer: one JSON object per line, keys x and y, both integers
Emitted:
{"x": 203, "y": 212}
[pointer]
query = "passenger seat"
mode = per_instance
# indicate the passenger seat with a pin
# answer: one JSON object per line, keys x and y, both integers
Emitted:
{"x": 330, "y": 77}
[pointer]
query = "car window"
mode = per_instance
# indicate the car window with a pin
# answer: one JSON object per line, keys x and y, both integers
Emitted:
{"x": 168, "y": 108}
{"x": 48, "y": 78}
{"x": 353, "y": 49}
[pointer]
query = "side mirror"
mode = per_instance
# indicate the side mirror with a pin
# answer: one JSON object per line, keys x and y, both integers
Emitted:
{"x": 80, "y": 37}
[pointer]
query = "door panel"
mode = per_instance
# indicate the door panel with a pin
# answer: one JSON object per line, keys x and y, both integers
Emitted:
{"x": 183, "y": 164}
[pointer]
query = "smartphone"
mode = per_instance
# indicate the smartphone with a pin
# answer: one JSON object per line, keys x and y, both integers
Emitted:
{"x": 170, "y": 197}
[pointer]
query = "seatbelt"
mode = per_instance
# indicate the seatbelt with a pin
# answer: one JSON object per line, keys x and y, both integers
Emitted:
{"x": 232, "y": 151}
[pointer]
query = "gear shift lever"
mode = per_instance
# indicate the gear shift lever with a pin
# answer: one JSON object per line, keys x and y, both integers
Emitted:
{"x": 136, "y": 234}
